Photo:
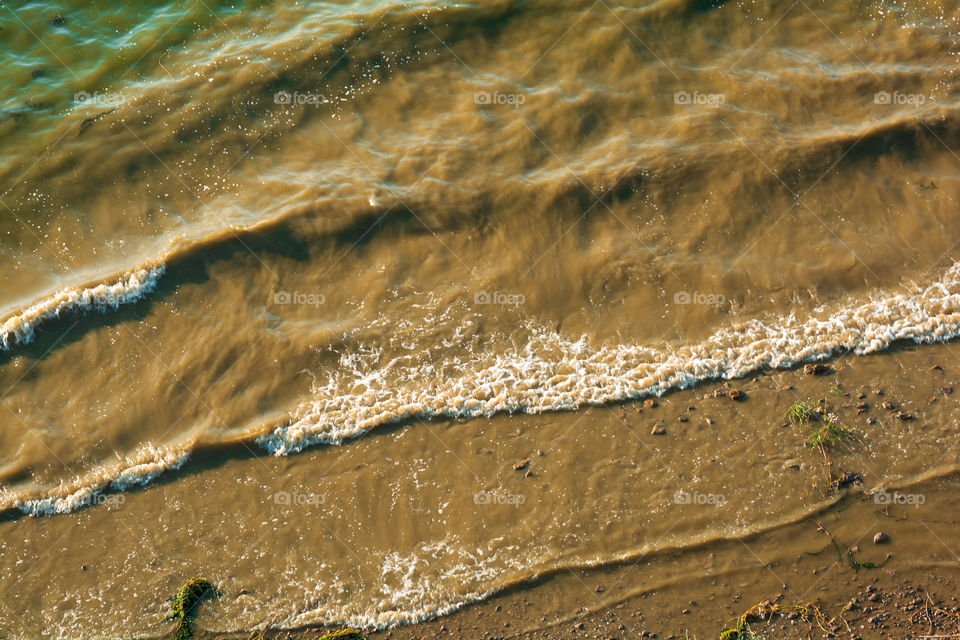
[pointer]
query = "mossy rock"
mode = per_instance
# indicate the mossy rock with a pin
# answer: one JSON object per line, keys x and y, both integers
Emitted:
{"x": 184, "y": 604}
{"x": 344, "y": 634}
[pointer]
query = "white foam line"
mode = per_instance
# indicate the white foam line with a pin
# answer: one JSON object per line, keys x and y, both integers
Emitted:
{"x": 550, "y": 373}
{"x": 129, "y": 287}
{"x": 555, "y": 374}
{"x": 138, "y": 470}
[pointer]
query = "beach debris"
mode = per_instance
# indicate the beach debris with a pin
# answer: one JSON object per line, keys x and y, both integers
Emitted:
{"x": 903, "y": 415}
{"x": 344, "y": 634}
{"x": 649, "y": 403}
{"x": 946, "y": 390}
{"x": 765, "y": 611}
{"x": 817, "y": 369}
{"x": 881, "y": 538}
{"x": 185, "y": 604}
{"x": 736, "y": 395}
{"x": 658, "y": 429}
{"x": 830, "y": 433}
{"x": 521, "y": 465}
{"x": 57, "y": 21}
{"x": 801, "y": 412}
{"x": 600, "y": 588}
{"x": 683, "y": 419}
{"x": 848, "y": 478}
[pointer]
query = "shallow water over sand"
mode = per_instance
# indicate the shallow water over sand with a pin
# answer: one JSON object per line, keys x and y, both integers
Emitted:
{"x": 288, "y": 294}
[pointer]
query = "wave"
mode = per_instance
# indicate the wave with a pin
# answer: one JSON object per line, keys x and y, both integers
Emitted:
{"x": 553, "y": 373}
{"x": 129, "y": 287}
{"x": 410, "y": 594}
{"x": 549, "y": 372}
{"x": 137, "y": 470}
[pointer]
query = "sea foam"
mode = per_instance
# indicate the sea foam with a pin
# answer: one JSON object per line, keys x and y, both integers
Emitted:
{"x": 554, "y": 373}
{"x": 129, "y": 287}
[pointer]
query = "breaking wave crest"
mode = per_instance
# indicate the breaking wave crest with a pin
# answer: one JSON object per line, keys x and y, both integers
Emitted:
{"x": 21, "y": 327}
{"x": 548, "y": 372}
{"x": 552, "y": 373}
{"x": 144, "y": 465}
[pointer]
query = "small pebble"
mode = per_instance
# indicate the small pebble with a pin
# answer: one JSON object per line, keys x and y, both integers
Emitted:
{"x": 880, "y": 538}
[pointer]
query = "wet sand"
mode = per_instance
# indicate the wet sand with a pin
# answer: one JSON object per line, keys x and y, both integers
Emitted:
{"x": 903, "y": 586}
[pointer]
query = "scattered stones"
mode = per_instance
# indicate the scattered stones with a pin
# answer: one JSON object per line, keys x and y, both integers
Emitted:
{"x": 710, "y": 422}
{"x": 871, "y": 421}
{"x": 519, "y": 466}
{"x": 735, "y": 395}
{"x": 903, "y": 415}
{"x": 691, "y": 408}
{"x": 541, "y": 452}
{"x": 878, "y": 392}
{"x": 880, "y": 538}
{"x": 817, "y": 369}
{"x": 658, "y": 430}
{"x": 600, "y": 588}
{"x": 682, "y": 419}
{"x": 649, "y": 403}
{"x": 889, "y": 406}
{"x": 946, "y": 390}
{"x": 936, "y": 367}
{"x": 56, "y": 21}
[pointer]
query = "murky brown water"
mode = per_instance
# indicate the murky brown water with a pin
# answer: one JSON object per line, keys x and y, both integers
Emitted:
{"x": 406, "y": 246}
